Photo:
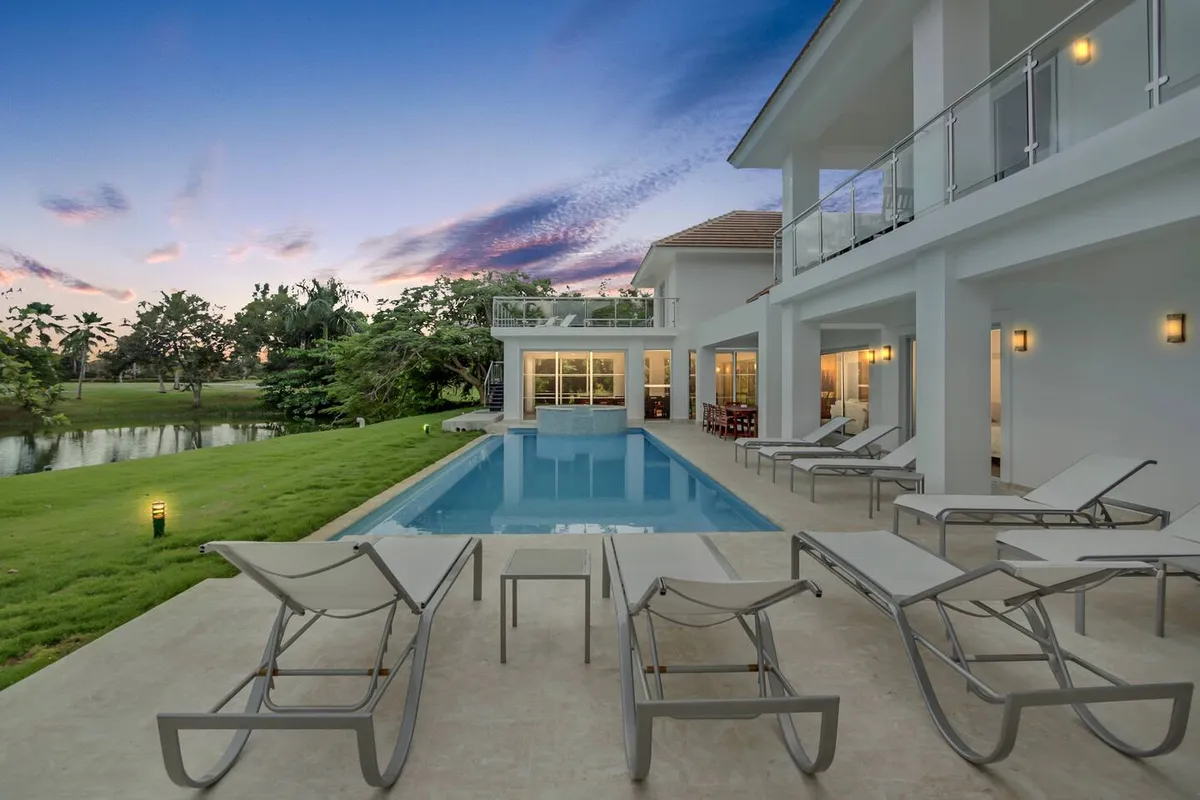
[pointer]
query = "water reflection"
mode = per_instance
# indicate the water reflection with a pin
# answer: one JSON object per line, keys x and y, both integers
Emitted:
{"x": 34, "y": 451}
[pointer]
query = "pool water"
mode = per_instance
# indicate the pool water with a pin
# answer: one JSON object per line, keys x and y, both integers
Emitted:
{"x": 523, "y": 482}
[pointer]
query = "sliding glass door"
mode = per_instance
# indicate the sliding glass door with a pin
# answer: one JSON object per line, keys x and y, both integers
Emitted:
{"x": 737, "y": 377}
{"x": 846, "y": 388}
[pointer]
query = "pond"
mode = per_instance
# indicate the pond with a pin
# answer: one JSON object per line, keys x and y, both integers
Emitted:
{"x": 35, "y": 451}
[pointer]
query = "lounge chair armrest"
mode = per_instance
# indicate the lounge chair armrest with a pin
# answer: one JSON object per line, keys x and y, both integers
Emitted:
{"x": 1017, "y": 582}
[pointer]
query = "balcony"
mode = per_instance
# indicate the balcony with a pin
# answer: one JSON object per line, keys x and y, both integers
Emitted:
{"x": 584, "y": 312}
{"x": 1107, "y": 62}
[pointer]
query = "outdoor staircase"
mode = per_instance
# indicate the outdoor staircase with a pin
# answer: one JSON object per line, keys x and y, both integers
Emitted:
{"x": 493, "y": 387}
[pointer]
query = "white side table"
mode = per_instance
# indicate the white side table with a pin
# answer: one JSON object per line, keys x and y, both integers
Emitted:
{"x": 904, "y": 478}
{"x": 546, "y": 564}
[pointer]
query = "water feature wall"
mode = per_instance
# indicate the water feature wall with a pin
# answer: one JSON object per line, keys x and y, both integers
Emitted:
{"x": 581, "y": 420}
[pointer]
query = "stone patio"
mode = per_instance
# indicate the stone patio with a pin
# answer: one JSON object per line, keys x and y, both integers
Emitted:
{"x": 544, "y": 725}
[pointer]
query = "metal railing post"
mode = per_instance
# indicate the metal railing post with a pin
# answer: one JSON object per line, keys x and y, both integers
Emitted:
{"x": 1157, "y": 78}
{"x": 820, "y": 234}
{"x": 1031, "y": 124}
{"x": 895, "y": 194}
{"x": 951, "y": 186}
{"x": 853, "y": 216}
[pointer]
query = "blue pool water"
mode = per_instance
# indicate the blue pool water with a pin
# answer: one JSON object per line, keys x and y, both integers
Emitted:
{"x": 525, "y": 483}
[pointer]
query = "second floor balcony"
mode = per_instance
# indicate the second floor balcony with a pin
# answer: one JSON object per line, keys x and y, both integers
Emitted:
{"x": 584, "y": 312}
{"x": 1105, "y": 63}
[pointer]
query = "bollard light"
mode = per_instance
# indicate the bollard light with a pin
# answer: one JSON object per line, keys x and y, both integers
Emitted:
{"x": 158, "y": 516}
{"x": 426, "y": 428}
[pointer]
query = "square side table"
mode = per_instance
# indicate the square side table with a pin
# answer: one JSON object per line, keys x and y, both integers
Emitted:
{"x": 546, "y": 564}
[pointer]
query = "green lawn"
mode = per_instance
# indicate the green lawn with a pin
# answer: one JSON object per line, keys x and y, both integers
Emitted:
{"x": 77, "y": 557}
{"x": 140, "y": 403}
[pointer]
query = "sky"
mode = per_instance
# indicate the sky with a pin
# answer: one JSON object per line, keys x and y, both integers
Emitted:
{"x": 153, "y": 145}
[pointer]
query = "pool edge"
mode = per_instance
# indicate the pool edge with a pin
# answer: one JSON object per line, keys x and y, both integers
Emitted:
{"x": 340, "y": 523}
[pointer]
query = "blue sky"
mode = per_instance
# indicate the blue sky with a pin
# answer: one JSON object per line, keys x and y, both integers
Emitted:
{"x": 207, "y": 146}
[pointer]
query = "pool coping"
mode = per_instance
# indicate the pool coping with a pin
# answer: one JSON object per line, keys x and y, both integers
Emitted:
{"x": 340, "y": 523}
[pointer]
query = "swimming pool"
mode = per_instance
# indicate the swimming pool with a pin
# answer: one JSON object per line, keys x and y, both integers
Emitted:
{"x": 523, "y": 482}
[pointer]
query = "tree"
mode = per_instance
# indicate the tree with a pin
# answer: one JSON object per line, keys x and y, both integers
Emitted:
{"x": 263, "y": 323}
{"x": 192, "y": 336}
{"x": 323, "y": 312}
{"x": 89, "y": 329}
{"x": 432, "y": 338}
{"x": 38, "y": 317}
{"x": 27, "y": 373}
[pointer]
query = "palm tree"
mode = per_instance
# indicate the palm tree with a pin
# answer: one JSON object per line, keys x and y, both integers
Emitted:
{"x": 89, "y": 329}
{"x": 324, "y": 310}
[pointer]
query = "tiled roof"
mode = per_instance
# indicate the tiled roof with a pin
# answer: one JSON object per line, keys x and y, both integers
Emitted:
{"x": 750, "y": 229}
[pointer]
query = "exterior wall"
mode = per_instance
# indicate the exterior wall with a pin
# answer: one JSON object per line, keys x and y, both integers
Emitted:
{"x": 710, "y": 287}
{"x": 1099, "y": 376}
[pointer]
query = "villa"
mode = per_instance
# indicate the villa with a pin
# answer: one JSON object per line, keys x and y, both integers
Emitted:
{"x": 1014, "y": 185}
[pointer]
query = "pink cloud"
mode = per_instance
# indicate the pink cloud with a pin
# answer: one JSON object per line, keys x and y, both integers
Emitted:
{"x": 23, "y": 266}
{"x": 168, "y": 252}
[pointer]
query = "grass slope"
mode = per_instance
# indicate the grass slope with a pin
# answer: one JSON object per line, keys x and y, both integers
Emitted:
{"x": 140, "y": 403}
{"x": 80, "y": 540}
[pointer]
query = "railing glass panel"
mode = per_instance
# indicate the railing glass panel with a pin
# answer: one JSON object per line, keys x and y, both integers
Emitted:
{"x": 806, "y": 243}
{"x": 871, "y": 214}
{"x": 837, "y": 221}
{"x": 1180, "y": 26}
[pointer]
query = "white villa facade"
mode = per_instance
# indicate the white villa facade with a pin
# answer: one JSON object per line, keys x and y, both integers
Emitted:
{"x": 1021, "y": 206}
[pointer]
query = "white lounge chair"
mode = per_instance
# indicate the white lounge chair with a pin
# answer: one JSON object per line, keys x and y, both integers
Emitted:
{"x": 1172, "y": 548}
{"x": 896, "y": 574}
{"x": 1073, "y": 497}
{"x": 684, "y": 579}
{"x": 899, "y": 459}
{"x": 335, "y": 580}
{"x": 823, "y": 432}
{"x": 854, "y": 446}
{"x": 567, "y": 321}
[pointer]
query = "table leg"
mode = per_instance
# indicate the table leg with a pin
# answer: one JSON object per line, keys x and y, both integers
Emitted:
{"x": 1081, "y": 613}
{"x": 605, "y": 579}
{"x": 871, "y": 497}
{"x": 514, "y": 588}
{"x": 587, "y": 620}
{"x": 1160, "y": 604}
{"x": 503, "y": 622}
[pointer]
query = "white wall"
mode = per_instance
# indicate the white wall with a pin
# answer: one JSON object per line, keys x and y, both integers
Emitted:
{"x": 1110, "y": 88}
{"x": 1099, "y": 376}
{"x": 710, "y": 287}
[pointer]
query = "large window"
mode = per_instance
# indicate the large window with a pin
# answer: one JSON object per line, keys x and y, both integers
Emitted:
{"x": 846, "y": 388}
{"x": 737, "y": 377}
{"x": 658, "y": 384}
{"x": 572, "y": 378}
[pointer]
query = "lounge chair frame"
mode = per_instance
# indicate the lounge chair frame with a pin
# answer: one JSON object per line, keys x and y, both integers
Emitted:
{"x": 869, "y": 449}
{"x": 1097, "y": 515}
{"x": 1040, "y": 630}
{"x": 643, "y": 700}
{"x": 357, "y": 717}
{"x": 814, "y": 438}
{"x": 832, "y": 469}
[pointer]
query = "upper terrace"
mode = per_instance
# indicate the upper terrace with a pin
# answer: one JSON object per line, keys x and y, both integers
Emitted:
{"x": 589, "y": 313}
{"x": 1050, "y": 76}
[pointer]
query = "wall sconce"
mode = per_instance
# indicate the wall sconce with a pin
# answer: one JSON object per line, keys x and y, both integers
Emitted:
{"x": 1176, "y": 331}
{"x": 158, "y": 516}
{"x": 1081, "y": 50}
{"x": 887, "y": 352}
{"x": 1021, "y": 340}
{"x": 870, "y": 356}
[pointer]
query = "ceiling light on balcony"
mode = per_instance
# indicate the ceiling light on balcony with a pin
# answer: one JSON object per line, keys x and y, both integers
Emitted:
{"x": 1081, "y": 50}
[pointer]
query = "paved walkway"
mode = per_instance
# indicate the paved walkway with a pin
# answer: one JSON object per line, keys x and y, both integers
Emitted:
{"x": 544, "y": 725}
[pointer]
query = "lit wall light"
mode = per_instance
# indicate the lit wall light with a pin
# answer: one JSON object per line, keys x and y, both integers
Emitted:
{"x": 870, "y": 356}
{"x": 158, "y": 517}
{"x": 1176, "y": 328}
{"x": 887, "y": 352}
{"x": 1082, "y": 50}
{"x": 1021, "y": 340}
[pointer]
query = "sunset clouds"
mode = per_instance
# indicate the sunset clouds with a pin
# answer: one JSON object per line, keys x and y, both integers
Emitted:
{"x": 101, "y": 203}
{"x": 15, "y": 266}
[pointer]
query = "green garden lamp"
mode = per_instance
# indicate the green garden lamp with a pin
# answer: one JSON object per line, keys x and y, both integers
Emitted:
{"x": 158, "y": 515}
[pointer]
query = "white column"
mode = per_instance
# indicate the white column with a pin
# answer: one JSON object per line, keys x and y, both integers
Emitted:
{"x": 953, "y": 379}
{"x": 635, "y": 381}
{"x": 770, "y": 370}
{"x": 885, "y": 385}
{"x": 680, "y": 370}
{"x": 706, "y": 379}
{"x": 800, "y": 374}
{"x": 951, "y": 53}
{"x": 801, "y": 188}
{"x": 512, "y": 381}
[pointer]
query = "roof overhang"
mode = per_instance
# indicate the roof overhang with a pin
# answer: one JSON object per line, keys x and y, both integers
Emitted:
{"x": 853, "y": 44}
{"x": 660, "y": 256}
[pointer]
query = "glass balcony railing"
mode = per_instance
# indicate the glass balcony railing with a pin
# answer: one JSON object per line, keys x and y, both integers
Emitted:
{"x": 1107, "y": 62}
{"x": 584, "y": 312}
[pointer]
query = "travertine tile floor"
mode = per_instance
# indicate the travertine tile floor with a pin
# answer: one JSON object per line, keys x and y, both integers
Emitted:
{"x": 547, "y": 726}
